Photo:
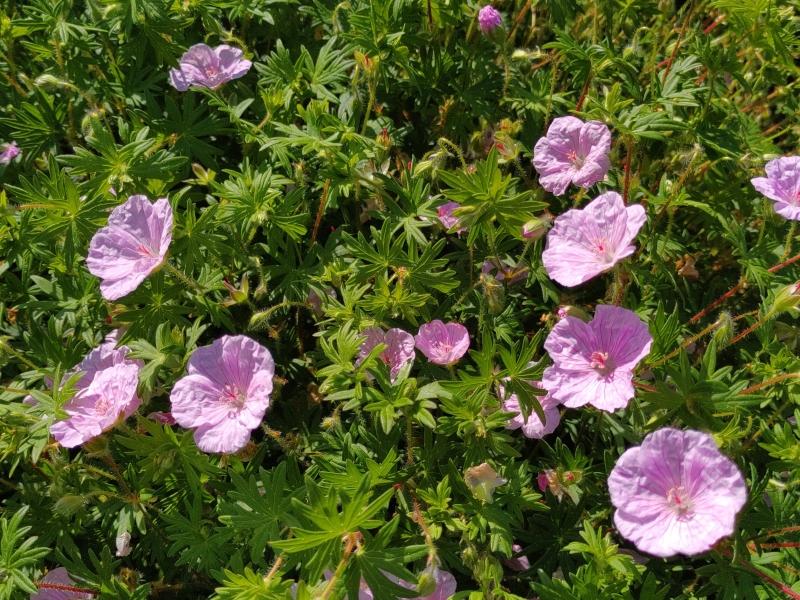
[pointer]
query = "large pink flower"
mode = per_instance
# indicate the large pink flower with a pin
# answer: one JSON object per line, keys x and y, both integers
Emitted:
{"x": 225, "y": 393}
{"x": 572, "y": 152}
{"x": 782, "y": 185}
{"x": 399, "y": 347}
{"x": 676, "y": 493}
{"x": 131, "y": 246}
{"x": 586, "y": 242}
{"x": 532, "y": 427}
{"x": 442, "y": 343}
{"x": 593, "y": 362}
{"x": 110, "y": 397}
{"x": 204, "y": 66}
{"x": 59, "y": 577}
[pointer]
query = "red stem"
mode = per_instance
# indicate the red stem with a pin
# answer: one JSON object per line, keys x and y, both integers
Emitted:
{"x": 43, "y": 585}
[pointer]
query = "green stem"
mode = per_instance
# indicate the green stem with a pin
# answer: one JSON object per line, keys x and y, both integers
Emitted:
{"x": 183, "y": 278}
{"x": 446, "y": 144}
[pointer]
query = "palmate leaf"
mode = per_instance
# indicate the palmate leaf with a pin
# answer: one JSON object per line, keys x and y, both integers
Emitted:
{"x": 257, "y": 508}
{"x": 18, "y": 555}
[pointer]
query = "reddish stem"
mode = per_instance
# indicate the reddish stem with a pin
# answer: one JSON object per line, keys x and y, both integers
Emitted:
{"x": 43, "y": 585}
{"x": 627, "y": 185}
{"x": 713, "y": 25}
{"x": 763, "y": 576}
{"x": 321, "y": 210}
{"x": 584, "y": 92}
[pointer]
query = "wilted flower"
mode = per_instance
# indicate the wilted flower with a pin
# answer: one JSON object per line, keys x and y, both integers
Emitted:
{"x": 572, "y": 152}
{"x": 676, "y": 493}
{"x": 442, "y": 343}
{"x": 517, "y": 563}
{"x": 9, "y": 153}
{"x": 593, "y": 362}
{"x": 782, "y": 185}
{"x": 489, "y": 19}
{"x": 131, "y": 246}
{"x": 586, "y": 242}
{"x": 447, "y": 218}
{"x": 165, "y": 418}
{"x": 109, "y": 397}
{"x": 532, "y": 427}
{"x": 508, "y": 273}
{"x": 399, "y": 347}
{"x": 61, "y": 581}
{"x": 225, "y": 392}
{"x": 123, "y": 543}
{"x": 482, "y": 481}
{"x": 203, "y": 66}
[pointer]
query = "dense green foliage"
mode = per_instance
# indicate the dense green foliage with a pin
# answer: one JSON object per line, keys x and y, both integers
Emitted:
{"x": 321, "y": 171}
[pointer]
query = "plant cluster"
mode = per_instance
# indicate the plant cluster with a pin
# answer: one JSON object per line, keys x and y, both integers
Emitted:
{"x": 379, "y": 299}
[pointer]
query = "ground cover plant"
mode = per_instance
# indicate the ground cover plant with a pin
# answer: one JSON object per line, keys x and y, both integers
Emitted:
{"x": 399, "y": 298}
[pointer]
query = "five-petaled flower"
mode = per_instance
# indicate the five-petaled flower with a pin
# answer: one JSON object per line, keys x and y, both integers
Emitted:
{"x": 203, "y": 66}
{"x": 447, "y": 218}
{"x": 676, "y": 493}
{"x": 225, "y": 393}
{"x": 442, "y": 343}
{"x": 399, "y": 347}
{"x": 586, "y": 242}
{"x": 572, "y": 152}
{"x": 131, "y": 246}
{"x": 593, "y": 362}
{"x": 782, "y": 185}
{"x": 532, "y": 427}
{"x": 110, "y": 397}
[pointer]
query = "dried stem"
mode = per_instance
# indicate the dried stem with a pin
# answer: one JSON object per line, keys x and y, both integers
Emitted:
{"x": 323, "y": 201}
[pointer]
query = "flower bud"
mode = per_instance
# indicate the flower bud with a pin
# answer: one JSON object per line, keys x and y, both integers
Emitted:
{"x": 724, "y": 329}
{"x": 573, "y": 311}
{"x": 535, "y": 228}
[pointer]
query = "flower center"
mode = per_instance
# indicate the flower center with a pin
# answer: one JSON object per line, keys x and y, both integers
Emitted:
{"x": 678, "y": 500}
{"x": 146, "y": 250}
{"x": 601, "y": 362}
{"x": 102, "y": 406}
{"x": 233, "y": 397}
{"x": 576, "y": 159}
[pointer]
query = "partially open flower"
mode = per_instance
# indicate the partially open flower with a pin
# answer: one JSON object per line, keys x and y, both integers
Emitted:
{"x": 782, "y": 185}
{"x": 399, "y": 347}
{"x": 489, "y": 19}
{"x": 442, "y": 343}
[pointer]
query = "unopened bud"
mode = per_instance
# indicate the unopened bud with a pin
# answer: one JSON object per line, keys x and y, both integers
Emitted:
{"x": 573, "y": 311}
{"x": 724, "y": 329}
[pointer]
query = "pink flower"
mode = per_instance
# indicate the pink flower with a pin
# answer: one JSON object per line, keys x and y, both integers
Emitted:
{"x": 593, "y": 362}
{"x": 535, "y": 228}
{"x": 399, "y": 347}
{"x": 59, "y": 578}
{"x": 519, "y": 563}
{"x": 9, "y": 153}
{"x": 442, "y": 343}
{"x": 676, "y": 493}
{"x": 572, "y": 152}
{"x": 782, "y": 185}
{"x": 447, "y": 218}
{"x": 203, "y": 66}
{"x": 586, "y": 242}
{"x": 225, "y": 393}
{"x": 489, "y": 19}
{"x": 532, "y": 427}
{"x": 131, "y": 246}
{"x": 104, "y": 356}
{"x": 110, "y": 397}
{"x": 444, "y": 581}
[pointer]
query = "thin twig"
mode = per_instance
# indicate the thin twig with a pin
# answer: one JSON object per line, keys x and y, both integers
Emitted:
{"x": 323, "y": 201}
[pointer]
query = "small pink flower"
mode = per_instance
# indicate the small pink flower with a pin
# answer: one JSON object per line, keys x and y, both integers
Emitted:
{"x": 543, "y": 479}
{"x": 518, "y": 563}
{"x": 203, "y": 66}
{"x": 489, "y": 19}
{"x": 782, "y": 185}
{"x": 676, "y": 493}
{"x": 572, "y": 152}
{"x": 442, "y": 343}
{"x": 532, "y": 427}
{"x": 593, "y": 362}
{"x": 399, "y": 347}
{"x": 584, "y": 243}
{"x": 225, "y": 393}
{"x": 131, "y": 246}
{"x": 447, "y": 218}
{"x": 109, "y": 398}
{"x": 9, "y": 153}
{"x": 59, "y": 578}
